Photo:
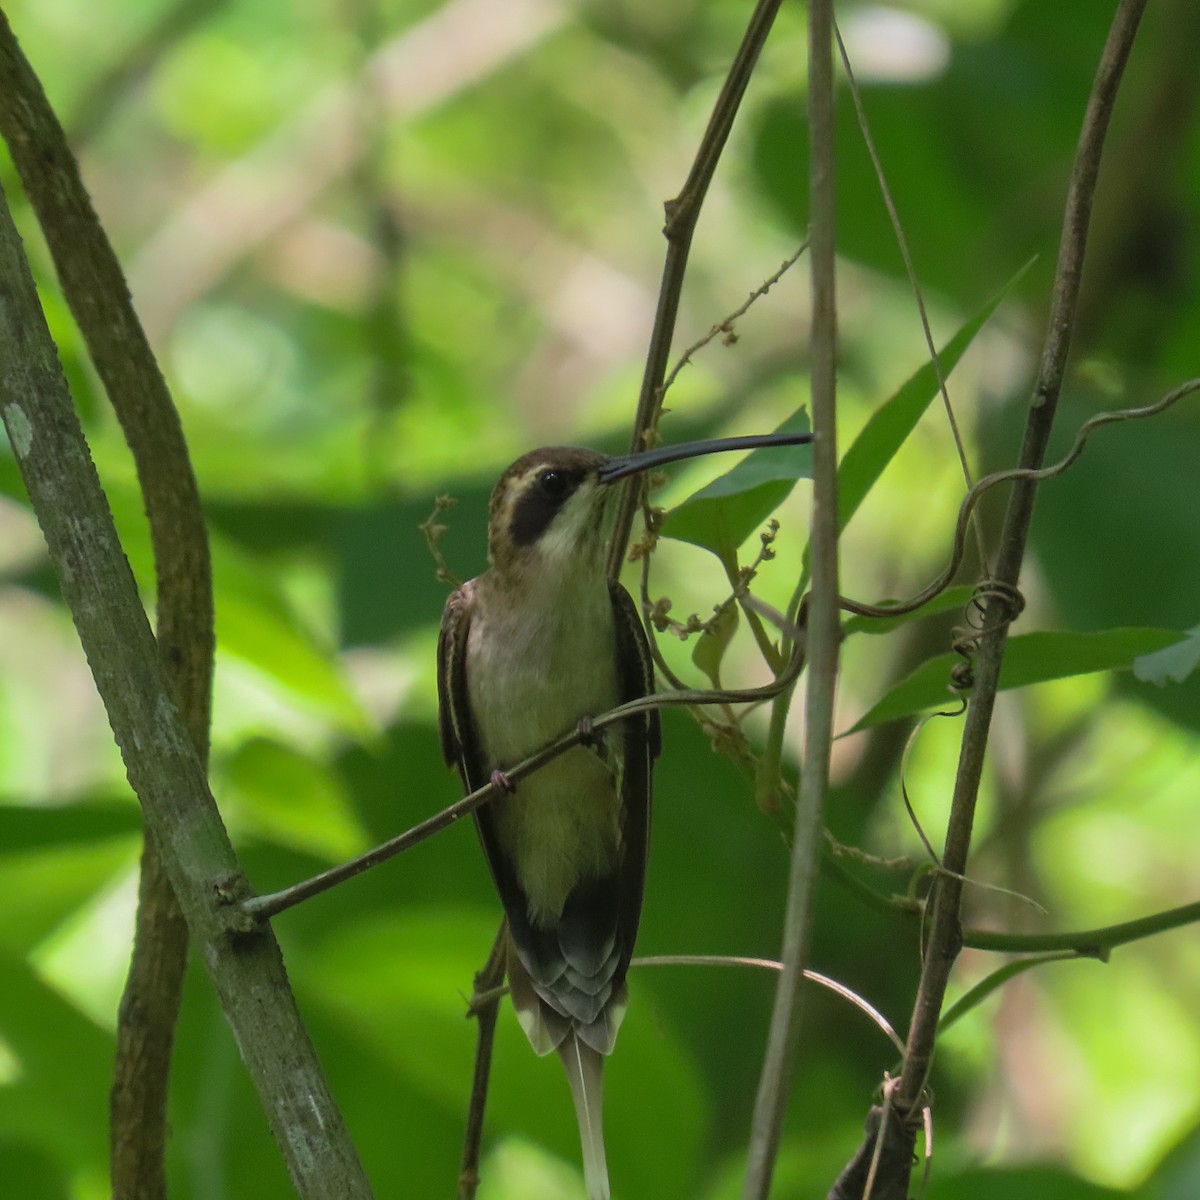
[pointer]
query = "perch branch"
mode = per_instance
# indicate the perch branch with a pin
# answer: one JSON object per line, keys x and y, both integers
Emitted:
{"x": 160, "y": 756}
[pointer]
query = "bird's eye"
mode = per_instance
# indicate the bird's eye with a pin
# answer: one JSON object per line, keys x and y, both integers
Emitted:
{"x": 553, "y": 483}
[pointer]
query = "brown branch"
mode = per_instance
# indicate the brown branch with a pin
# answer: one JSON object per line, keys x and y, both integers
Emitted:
{"x": 95, "y": 289}
{"x": 945, "y": 932}
{"x": 682, "y": 214}
{"x": 485, "y": 1005}
{"x": 822, "y": 633}
{"x": 97, "y": 585}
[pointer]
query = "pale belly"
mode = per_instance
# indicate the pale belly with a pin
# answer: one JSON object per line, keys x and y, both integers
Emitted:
{"x": 562, "y": 823}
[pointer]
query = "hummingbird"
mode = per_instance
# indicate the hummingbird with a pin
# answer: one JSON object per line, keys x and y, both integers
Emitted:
{"x": 539, "y": 643}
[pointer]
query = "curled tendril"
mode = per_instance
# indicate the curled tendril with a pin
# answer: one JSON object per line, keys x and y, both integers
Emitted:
{"x": 1004, "y": 604}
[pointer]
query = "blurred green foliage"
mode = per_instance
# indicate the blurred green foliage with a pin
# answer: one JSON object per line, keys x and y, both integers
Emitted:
{"x": 384, "y": 247}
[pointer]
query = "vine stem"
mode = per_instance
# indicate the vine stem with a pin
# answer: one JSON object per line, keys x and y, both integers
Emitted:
{"x": 822, "y": 633}
{"x": 945, "y": 930}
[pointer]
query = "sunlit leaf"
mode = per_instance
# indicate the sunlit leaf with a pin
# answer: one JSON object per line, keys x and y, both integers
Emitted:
{"x": 287, "y": 797}
{"x": 62, "y": 1063}
{"x": 891, "y": 423}
{"x": 1028, "y": 659}
{"x": 254, "y": 621}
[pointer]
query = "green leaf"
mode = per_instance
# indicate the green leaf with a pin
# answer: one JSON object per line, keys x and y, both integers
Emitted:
{"x": 1031, "y": 658}
{"x": 723, "y": 514}
{"x": 1172, "y": 664}
{"x": 256, "y": 624}
{"x": 25, "y": 827}
{"x": 891, "y": 423}
{"x": 63, "y": 1070}
{"x": 1177, "y": 1176}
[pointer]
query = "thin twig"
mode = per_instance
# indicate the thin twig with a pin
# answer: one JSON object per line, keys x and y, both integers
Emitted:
{"x": 682, "y": 214}
{"x": 945, "y": 937}
{"x": 725, "y": 326}
{"x": 1027, "y": 475}
{"x": 769, "y": 964}
{"x": 1086, "y": 943}
{"x": 822, "y": 633}
{"x": 267, "y": 906}
{"x": 485, "y": 1005}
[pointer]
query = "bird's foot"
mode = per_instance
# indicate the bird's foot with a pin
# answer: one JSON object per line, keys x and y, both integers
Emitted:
{"x": 593, "y": 739}
{"x": 588, "y": 735}
{"x": 503, "y": 785}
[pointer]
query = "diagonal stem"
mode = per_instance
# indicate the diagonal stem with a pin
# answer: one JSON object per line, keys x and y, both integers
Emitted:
{"x": 246, "y": 966}
{"x": 945, "y": 936}
{"x": 682, "y": 214}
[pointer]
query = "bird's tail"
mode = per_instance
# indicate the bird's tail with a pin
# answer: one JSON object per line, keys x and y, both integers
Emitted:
{"x": 585, "y": 1074}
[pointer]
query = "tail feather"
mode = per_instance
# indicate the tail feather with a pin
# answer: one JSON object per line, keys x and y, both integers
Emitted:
{"x": 585, "y": 1074}
{"x": 582, "y": 1049}
{"x": 545, "y": 1028}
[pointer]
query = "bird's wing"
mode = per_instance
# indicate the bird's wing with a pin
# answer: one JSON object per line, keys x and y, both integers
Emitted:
{"x": 643, "y": 744}
{"x": 461, "y": 749}
{"x": 578, "y": 967}
{"x": 459, "y": 741}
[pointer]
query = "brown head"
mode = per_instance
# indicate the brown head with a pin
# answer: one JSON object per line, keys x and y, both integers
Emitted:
{"x": 551, "y": 502}
{"x": 555, "y": 488}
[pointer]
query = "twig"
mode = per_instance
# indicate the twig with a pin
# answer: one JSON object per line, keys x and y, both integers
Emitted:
{"x": 998, "y": 978}
{"x": 263, "y": 908}
{"x": 433, "y": 530}
{"x": 1027, "y": 475}
{"x": 160, "y": 757}
{"x": 1086, "y": 943}
{"x": 769, "y": 964}
{"x": 485, "y": 1005}
{"x": 945, "y": 932}
{"x": 822, "y": 633}
{"x": 725, "y": 326}
{"x": 95, "y": 289}
{"x": 682, "y": 214}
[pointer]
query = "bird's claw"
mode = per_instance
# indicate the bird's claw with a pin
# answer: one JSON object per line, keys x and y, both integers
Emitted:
{"x": 589, "y": 735}
{"x": 503, "y": 785}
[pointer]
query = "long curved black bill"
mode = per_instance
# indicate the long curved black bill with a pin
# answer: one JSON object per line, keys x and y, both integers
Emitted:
{"x": 646, "y": 460}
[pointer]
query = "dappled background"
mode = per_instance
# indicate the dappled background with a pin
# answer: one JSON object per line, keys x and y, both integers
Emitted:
{"x": 381, "y": 249}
